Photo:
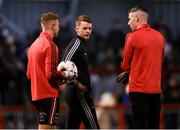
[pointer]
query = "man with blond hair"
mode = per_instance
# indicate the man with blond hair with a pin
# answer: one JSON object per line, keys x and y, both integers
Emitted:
{"x": 43, "y": 74}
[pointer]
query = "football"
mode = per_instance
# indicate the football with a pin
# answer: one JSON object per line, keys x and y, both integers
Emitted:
{"x": 69, "y": 67}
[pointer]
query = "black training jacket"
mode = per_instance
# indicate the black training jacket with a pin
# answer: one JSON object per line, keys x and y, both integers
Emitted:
{"x": 77, "y": 52}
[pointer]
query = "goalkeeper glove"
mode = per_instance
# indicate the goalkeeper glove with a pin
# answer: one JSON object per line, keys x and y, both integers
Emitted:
{"x": 123, "y": 77}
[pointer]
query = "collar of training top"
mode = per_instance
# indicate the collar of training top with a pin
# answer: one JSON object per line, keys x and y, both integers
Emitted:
{"x": 48, "y": 36}
{"x": 82, "y": 39}
{"x": 142, "y": 26}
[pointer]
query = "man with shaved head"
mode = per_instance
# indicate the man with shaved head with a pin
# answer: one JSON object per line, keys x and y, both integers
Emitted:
{"x": 142, "y": 59}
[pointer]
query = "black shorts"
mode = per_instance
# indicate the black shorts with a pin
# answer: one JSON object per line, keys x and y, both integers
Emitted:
{"x": 48, "y": 110}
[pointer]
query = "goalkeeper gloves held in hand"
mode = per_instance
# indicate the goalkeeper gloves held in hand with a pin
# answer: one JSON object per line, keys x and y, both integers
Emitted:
{"x": 123, "y": 77}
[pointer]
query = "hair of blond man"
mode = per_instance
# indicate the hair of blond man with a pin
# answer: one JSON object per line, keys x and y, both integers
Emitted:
{"x": 84, "y": 18}
{"x": 47, "y": 17}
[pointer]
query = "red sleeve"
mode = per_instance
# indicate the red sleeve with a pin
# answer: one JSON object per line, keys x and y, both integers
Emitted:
{"x": 127, "y": 53}
{"x": 55, "y": 78}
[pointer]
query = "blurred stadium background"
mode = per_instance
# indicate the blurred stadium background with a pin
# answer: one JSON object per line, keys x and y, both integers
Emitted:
{"x": 19, "y": 26}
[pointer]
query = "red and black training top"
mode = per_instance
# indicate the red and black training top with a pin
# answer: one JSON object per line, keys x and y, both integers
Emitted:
{"x": 143, "y": 57}
{"x": 42, "y": 68}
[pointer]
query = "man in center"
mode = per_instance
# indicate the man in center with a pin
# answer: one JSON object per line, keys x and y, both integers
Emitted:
{"x": 77, "y": 94}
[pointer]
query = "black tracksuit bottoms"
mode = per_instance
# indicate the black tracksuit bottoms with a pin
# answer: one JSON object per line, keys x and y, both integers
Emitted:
{"x": 81, "y": 108}
{"x": 146, "y": 110}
